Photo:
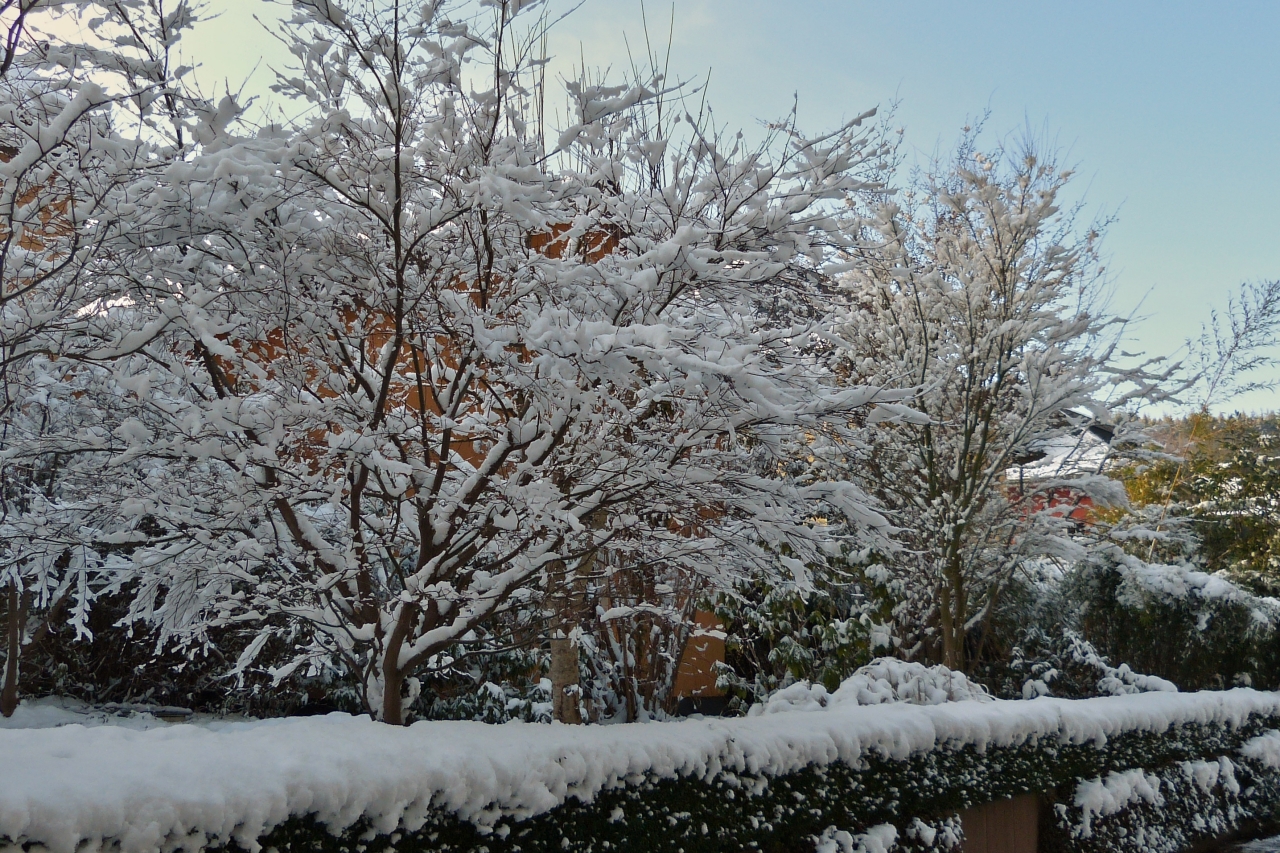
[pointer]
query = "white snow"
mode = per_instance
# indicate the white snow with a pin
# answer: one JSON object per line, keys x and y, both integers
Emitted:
{"x": 1264, "y": 749}
{"x": 877, "y": 839}
{"x": 1113, "y": 793}
{"x": 1175, "y": 582}
{"x": 51, "y": 712}
{"x": 1207, "y": 775}
{"x": 1064, "y": 456}
{"x": 74, "y": 788}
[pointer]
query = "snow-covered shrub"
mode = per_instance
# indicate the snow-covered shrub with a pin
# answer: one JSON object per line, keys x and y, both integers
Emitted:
{"x": 124, "y": 662}
{"x": 491, "y": 702}
{"x": 1212, "y": 489}
{"x": 640, "y": 617}
{"x": 1114, "y": 623}
{"x": 883, "y": 680}
{"x": 1183, "y": 625}
{"x": 1068, "y": 665}
{"x": 778, "y": 636}
{"x": 488, "y": 681}
{"x": 891, "y": 680}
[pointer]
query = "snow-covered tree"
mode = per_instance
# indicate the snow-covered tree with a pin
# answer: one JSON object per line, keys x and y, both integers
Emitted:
{"x": 979, "y": 291}
{"x": 421, "y": 366}
{"x": 84, "y": 129}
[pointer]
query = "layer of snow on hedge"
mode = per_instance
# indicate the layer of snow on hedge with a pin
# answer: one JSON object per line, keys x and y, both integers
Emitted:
{"x": 71, "y": 788}
{"x": 1207, "y": 775}
{"x": 1114, "y": 793}
{"x": 877, "y": 839}
{"x": 1264, "y": 749}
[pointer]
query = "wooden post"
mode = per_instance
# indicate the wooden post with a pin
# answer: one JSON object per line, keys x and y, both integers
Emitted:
{"x": 1007, "y": 826}
{"x": 569, "y": 597}
{"x": 16, "y": 624}
{"x": 565, "y": 689}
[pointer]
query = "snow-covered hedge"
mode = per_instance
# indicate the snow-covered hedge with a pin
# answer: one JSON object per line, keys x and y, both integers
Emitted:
{"x": 1146, "y": 771}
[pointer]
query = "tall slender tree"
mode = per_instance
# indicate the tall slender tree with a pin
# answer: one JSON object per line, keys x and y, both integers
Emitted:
{"x": 978, "y": 290}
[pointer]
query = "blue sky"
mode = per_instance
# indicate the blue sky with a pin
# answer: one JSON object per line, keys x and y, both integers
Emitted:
{"x": 1170, "y": 111}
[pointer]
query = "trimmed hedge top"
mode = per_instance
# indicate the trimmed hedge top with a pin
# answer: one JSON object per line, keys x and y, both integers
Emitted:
{"x": 769, "y": 782}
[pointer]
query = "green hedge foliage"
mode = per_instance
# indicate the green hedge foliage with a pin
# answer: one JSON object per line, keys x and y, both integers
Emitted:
{"x": 920, "y": 796}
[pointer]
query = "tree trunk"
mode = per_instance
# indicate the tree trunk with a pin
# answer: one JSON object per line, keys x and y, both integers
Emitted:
{"x": 951, "y": 610}
{"x": 13, "y": 650}
{"x": 565, "y": 688}
{"x": 955, "y": 607}
{"x": 944, "y": 624}
{"x": 392, "y": 703}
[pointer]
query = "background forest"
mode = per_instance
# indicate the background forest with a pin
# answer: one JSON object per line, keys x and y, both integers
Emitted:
{"x": 426, "y": 403}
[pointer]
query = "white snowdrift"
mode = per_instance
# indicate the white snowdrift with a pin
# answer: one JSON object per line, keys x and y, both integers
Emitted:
{"x": 75, "y": 787}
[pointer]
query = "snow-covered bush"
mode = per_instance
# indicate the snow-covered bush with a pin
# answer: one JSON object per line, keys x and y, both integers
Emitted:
{"x": 1173, "y": 621}
{"x": 1206, "y": 490}
{"x": 1068, "y": 665}
{"x": 777, "y": 635}
{"x": 490, "y": 679}
{"x": 125, "y": 663}
{"x": 881, "y": 681}
{"x": 891, "y": 680}
{"x": 1114, "y": 623}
